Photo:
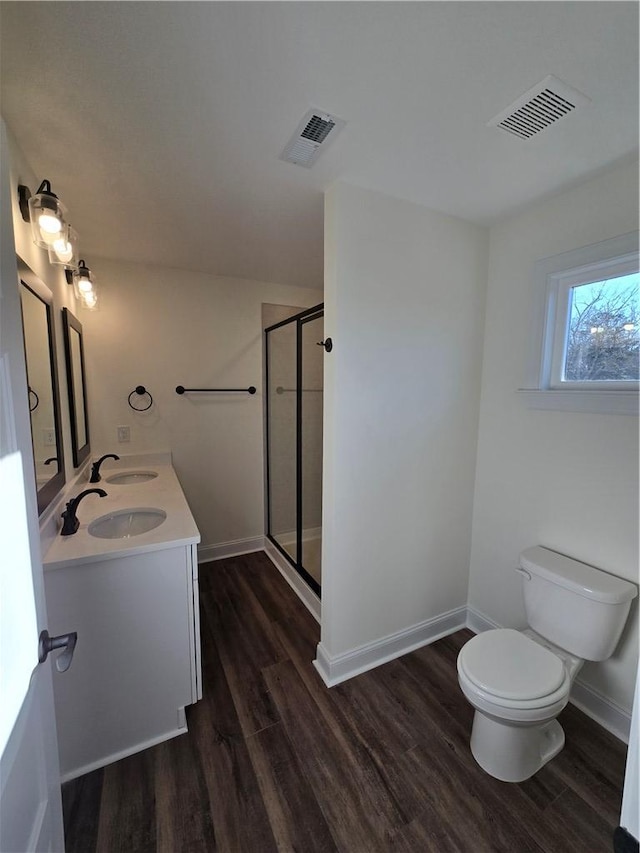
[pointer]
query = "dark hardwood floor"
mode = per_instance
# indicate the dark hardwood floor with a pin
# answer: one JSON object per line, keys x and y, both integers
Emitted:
{"x": 274, "y": 761}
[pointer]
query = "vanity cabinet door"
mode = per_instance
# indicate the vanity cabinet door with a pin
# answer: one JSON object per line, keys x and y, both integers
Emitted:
{"x": 133, "y": 671}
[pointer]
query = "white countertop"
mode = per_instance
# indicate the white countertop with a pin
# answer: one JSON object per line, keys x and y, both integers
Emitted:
{"x": 163, "y": 492}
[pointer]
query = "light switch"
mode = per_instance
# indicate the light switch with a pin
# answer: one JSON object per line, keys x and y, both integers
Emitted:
{"x": 124, "y": 433}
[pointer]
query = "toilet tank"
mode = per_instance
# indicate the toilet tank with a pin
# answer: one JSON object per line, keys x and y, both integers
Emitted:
{"x": 575, "y": 606}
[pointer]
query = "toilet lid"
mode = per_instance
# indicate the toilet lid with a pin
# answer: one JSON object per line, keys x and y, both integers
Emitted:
{"x": 508, "y": 664}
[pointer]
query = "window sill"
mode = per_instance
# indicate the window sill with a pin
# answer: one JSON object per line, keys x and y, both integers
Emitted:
{"x": 602, "y": 402}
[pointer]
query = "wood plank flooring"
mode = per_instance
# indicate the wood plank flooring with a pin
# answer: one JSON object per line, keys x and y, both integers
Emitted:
{"x": 275, "y": 761}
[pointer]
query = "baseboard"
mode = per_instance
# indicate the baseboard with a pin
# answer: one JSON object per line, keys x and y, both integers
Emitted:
{"x": 478, "y": 622}
{"x": 623, "y": 841}
{"x": 208, "y": 553}
{"x": 334, "y": 670}
{"x": 304, "y": 593}
{"x": 125, "y": 753}
{"x": 601, "y": 709}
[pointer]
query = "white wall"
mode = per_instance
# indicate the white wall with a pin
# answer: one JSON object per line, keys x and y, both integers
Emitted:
{"x": 161, "y": 328}
{"x": 404, "y": 303}
{"x": 561, "y": 479}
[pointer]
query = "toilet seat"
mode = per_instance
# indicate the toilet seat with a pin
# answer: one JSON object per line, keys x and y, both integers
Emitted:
{"x": 511, "y": 671}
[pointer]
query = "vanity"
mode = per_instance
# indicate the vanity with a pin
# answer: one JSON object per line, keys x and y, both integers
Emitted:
{"x": 127, "y": 582}
{"x": 125, "y": 579}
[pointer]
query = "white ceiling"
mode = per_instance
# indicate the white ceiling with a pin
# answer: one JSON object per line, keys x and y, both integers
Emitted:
{"x": 160, "y": 125}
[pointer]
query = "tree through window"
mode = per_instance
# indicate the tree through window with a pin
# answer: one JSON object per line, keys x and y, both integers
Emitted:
{"x": 603, "y": 334}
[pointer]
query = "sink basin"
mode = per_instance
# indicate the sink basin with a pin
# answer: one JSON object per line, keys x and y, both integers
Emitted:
{"x": 126, "y": 523}
{"x": 131, "y": 477}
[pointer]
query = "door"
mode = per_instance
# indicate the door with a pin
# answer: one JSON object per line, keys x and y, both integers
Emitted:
{"x": 294, "y": 360}
{"x": 30, "y": 803}
{"x": 310, "y": 443}
{"x": 282, "y": 387}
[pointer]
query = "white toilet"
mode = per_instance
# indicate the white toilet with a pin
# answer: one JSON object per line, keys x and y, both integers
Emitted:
{"x": 519, "y": 681}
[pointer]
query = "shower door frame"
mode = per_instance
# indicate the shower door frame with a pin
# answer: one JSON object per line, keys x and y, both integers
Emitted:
{"x": 300, "y": 320}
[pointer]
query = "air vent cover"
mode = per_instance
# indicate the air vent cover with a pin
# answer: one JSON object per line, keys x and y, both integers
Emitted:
{"x": 311, "y": 135}
{"x": 538, "y": 108}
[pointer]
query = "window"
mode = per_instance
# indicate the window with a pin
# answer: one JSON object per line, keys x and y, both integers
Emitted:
{"x": 586, "y": 348}
{"x": 597, "y": 335}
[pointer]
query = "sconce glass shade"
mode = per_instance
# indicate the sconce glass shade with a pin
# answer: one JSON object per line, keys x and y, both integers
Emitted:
{"x": 84, "y": 287}
{"x": 64, "y": 249}
{"x": 90, "y": 301}
{"x": 46, "y": 214}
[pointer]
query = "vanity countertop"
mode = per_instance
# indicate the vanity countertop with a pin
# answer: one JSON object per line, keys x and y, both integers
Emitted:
{"x": 163, "y": 492}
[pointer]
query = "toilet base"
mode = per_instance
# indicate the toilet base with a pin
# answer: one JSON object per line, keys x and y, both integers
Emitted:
{"x": 514, "y": 753}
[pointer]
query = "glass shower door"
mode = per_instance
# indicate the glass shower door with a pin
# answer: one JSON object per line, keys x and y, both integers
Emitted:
{"x": 282, "y": 437}
{"x": 294, "y": 440}
{"x": 312, "y": 331}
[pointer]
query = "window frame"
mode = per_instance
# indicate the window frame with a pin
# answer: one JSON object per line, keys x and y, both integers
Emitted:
{"x": 552, "y": 279}
{"x": 563, "y": 283}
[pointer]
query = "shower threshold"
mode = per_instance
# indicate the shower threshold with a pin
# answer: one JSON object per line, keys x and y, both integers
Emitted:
{"x": 311, "y": 550}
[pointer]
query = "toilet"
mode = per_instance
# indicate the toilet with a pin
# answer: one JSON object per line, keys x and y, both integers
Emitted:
{"x": 519, "y": 681}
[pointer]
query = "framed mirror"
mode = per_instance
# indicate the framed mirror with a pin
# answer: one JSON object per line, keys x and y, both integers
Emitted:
{"x": 77, "y": 386}
{"x": 42, "y": 378}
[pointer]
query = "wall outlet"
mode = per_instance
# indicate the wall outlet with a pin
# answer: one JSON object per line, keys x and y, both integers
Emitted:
{"x": 48, "y": 437}
{"x": 124, "y": 433}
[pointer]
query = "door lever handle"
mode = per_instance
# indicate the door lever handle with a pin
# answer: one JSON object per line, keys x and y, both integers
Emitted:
{"x": 327, "y": 344}
{"x": 48, "y": 644}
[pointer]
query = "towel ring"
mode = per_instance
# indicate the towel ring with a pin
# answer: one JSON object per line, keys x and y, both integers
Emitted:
{"x": 141, "y": 391}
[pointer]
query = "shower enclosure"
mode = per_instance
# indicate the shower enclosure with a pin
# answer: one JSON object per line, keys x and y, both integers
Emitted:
{"x": 294, "y": 366}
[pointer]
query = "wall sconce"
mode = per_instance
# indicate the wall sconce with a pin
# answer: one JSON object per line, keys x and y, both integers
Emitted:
{"x": 64, "y": 249}
{"x": 45, "y": 213}
{"x": 84, "y": 286}
{"x": 51, "y": 231}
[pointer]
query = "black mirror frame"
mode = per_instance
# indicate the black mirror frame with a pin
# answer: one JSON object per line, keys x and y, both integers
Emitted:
{"x": 79, "y": 453}
{"x": 27, "y": 278}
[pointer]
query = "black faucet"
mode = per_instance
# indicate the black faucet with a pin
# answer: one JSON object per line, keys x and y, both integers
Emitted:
{"x": 95, "y": 468}
{"x": 71, "y": 523}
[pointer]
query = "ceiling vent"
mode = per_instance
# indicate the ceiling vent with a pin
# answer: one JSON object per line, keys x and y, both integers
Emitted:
{"x": 312, "y": 135}
{"x": 541, "y": 106}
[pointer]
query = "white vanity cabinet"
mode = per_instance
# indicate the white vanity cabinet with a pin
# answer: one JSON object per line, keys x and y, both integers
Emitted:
{"x": 134, "y": 605}
{"x": 137, "y": 660}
